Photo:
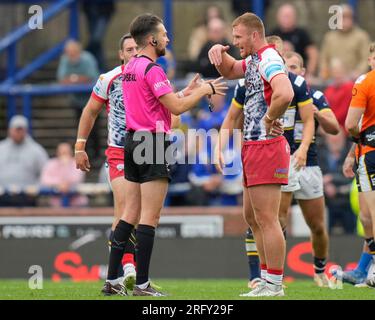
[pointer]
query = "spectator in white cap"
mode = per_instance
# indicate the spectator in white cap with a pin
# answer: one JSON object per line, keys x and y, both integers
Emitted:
{"x": 21, "y": 162}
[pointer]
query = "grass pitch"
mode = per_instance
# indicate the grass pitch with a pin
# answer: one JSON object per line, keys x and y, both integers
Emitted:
{"x": 187, "y": 289}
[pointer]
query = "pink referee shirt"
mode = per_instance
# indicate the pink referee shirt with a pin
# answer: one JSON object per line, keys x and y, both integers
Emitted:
{"x": 143, "y": 85}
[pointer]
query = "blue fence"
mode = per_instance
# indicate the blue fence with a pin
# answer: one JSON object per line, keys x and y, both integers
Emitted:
{"x": 9, "y": 87}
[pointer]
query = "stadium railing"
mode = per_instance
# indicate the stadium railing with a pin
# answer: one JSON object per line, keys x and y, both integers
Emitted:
{"x": 87, "y": 189}
{"x": 10, "y": 41}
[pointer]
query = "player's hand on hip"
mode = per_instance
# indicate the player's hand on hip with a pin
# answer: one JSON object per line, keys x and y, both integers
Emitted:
{"x": 215, "y": 54}
{"x": 347, "y": 168}
{"x": 274, "y": 128}
{"x": 217, "y": 86}
{"x": 82, "y": 161}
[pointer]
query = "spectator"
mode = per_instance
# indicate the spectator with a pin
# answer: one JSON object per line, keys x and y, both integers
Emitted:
{"x": 61, "y": 174}
{"x": 207, "y": 120}
{"x": 180, "y": 186}
{"x": 296, "y": 37}
{"x": 21, "y": 160}
{"x": 349, "y": 44}
{"x": 336, "y": 186}
{"x": 216, "y": 33}
{"x": 79, "y": 67}
{"x": 98, "y": 14}
{"x": 211, "y": 188}
{"x": 232, "y": 185}
{"x": 203, "y": 176}
{"x": 339, "y": 92}
{"x": 198, "y": 36}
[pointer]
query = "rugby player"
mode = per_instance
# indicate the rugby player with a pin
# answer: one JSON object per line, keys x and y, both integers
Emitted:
{"x": 149, "y": 101}
{"x": 360, "y": 122}
{"x": 301, "y": 104}
{"x": 265, "y": 154}
{"x": 310, "y": 196}
{"x": 108, "y": 92}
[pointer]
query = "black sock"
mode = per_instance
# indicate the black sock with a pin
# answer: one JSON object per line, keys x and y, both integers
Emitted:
{"x": 145, "y": 242}
{"x": 371, "y": 245}
{"x": 129, "y": 249}
{"x": 120, "y": 238}
{"x": 110, "y": 239}
{"x": 120, "y": 271}
{"x": 320, "y": 265}
{"x": 130, "y": 246}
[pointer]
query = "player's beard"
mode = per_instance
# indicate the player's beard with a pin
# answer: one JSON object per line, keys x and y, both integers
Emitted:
{"x": 160, "y": 52}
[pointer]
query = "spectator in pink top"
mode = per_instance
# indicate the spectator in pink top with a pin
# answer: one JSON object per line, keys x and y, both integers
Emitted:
{"x": 61, "y": 174}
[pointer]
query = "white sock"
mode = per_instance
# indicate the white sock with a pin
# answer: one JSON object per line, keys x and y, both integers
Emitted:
{"x": 274, "y": 281}
{"x": 128, "y": 266}
{"x": 263, "y": 274}
{"x": 143, "y": 285}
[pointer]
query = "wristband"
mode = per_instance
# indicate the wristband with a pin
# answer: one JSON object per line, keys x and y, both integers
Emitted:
{"x": 212, "y": 87}
{"x": 268, "y": 117}
{"x": 79, "y": 146}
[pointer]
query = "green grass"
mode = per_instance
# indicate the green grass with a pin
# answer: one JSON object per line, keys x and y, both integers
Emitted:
{"x": 222, "y": 289}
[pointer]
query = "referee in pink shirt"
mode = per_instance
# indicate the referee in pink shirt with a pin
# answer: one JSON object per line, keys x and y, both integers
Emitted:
{"x": 150, "y": 103}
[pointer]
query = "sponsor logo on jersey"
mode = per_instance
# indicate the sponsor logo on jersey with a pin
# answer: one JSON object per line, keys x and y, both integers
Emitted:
{"x": 299, "y": 81}
{"x": 317, "y": 95}
{"x": 360, "y": 79}
{"x": 129, "y": 77}
{"x": 161, "y": 84}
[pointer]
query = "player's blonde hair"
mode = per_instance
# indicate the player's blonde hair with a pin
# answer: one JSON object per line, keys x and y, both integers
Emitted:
{"x": 252, "y": 22}
{"x": 291, "y": 54}
{"x": 277, "y": 41}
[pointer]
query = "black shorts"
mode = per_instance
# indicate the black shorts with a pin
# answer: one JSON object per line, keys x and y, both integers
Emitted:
{"x": 365, "y": 172}
{"x": 146, "y": 156}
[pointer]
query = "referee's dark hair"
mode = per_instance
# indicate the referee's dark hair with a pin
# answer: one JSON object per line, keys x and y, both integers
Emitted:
{"x": 123, "y": 38}
{"x": 142, "y": 26}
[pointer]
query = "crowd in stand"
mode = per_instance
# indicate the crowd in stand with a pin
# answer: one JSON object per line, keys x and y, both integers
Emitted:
{"x": 328, "y": 67}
